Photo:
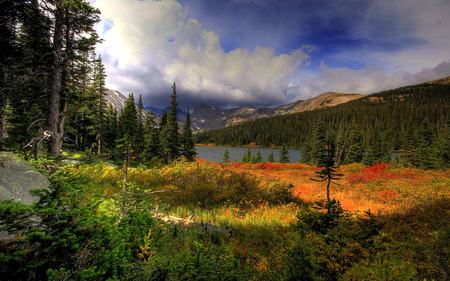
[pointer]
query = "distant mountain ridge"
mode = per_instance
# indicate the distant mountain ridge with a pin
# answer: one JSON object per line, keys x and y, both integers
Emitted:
{"x": 207, "y": 117}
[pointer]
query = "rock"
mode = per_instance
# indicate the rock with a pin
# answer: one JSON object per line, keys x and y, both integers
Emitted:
{"x": 18, "y": 178}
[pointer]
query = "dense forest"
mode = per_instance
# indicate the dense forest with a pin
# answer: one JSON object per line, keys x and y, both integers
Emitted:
{"x": 52, "y": 91}
{"x": 412, "y": 121}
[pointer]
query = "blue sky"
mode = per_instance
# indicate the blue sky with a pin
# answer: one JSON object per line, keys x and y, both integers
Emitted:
{"x": 269, "y": 52}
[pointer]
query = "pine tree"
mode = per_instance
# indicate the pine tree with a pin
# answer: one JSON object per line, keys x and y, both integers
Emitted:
{"x": 422, "y": 152}
{"x": 98, "y": 112}
{"x": 111, "y": 130}
{"x": 441, "y": 148}
{"x": 284, "y": 154}
{"x": 151, "y": 136}
{"x": 355, "y": 147}
{"x": 73, "y": 32}
{"x": 140, "y": 138}
{"x": 188, "y": 145}
{"x": 128, "y": 125}
{"x": 376, "y": 151}
{"x": 328, "y": 173}
{"x": 318, "y": 144}
{"x": 226, "y": 157}
{"x": 306, "y": 152}
{"x": 271, "y": 158}
{"x": 171, "y": 128}
{"x": 259, "y": 157}
{"x": 247, "y": 156}
{"x": 163, "y": 135}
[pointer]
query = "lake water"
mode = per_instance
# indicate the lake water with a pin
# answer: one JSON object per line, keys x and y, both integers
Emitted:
{"x": 215, "y": 154}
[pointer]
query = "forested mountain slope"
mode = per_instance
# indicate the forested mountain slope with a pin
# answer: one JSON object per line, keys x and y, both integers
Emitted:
{"x": 398, "y": 119}
{"x": 205, "y": 117}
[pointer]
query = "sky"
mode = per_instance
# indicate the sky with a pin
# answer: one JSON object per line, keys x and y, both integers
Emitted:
{"x": 231, "y": 53}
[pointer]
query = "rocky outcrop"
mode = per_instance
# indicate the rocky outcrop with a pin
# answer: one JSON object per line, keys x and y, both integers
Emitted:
{"x": 18, "y": 178}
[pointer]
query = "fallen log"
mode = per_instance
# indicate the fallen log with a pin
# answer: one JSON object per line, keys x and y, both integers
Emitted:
{"x": 210, "y": 228}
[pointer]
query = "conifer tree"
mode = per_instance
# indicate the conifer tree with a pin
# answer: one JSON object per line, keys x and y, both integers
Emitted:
{"x": 284, "y": 154}
{"x": 99, "y": 110}
{"x": 73, "y": 32}
{"x": 259, "y": 156}
{"x": 163, "y": 135}
{"x": 111, "y": 130}
{"x": 247, "y": 156}
{"x": 140, "y": 140}
{"x": 355, "y": 146}
{"x": 171, "y": 128}
{"x": 256, "y": 158}
{"x": 128, "y": 124}
{"x": 151, "y": 136}
{"x": 376, "y": 150}
{"x": 306, "y": 152}
{"x": 271, "y": 158}
{"x": 188, "y": 145}
{"x": 422, "y": 152}
{"x": 441, "y": 148}
{"x": 226, "y": 157}
{"x": 328, "y": 172}
{"x": 318, "y": 155}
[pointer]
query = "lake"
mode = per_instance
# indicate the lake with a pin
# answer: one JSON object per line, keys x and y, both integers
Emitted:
{"x": 215, "y": 154}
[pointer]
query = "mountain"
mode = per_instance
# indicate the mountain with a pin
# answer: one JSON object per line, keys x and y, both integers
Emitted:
{"x": 115, "y": 98}
{"x": 394, "y": 119}
{"x": 206, "y": 118}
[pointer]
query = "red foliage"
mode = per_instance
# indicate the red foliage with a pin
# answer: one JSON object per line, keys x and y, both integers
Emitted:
{"x": 371, "y": 173}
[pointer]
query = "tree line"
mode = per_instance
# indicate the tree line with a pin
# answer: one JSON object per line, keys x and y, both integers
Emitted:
{"x": 52, "y": 89}
{"x": 409, "y": 123}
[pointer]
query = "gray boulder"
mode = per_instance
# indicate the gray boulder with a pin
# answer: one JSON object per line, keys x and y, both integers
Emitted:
{"x": 18, "y": 178}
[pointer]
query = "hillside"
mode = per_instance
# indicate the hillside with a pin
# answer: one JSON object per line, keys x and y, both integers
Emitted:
{"x": 393, "y": 117}
{"x": 205, "y": 118}
{"x": 115, "y": 99}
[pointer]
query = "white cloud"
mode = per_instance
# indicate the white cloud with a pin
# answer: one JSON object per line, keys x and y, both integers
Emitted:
{"x": 149, "y": 44}
{"x": 153, "y": 43}
{"x": 366, "y": 81}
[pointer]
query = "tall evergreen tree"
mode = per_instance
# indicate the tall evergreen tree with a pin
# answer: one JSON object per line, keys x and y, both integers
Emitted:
{"x": 247, "y": 156}
{"x": 140, "y": 132}
{"x": 172, "y": 133}
{"x": 318, "y": 154}
{"x": 376, "y": 150}
{"x": 128, "y": 126}
{"x": 226, "y": 157}
{"x": 73, "y": 28}
{"x": 328, "y": 172}
{"x": 284, "y": 154}
{"x": 151, "y": 136}
{"x": 98, "y": 112}
{"x": 355, "y": 146}
{"x": 188, "y": 145}
{"x": 441, "y": 147}
{"x": 271, "y": 157}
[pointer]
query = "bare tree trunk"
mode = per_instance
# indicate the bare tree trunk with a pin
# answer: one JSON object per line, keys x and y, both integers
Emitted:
{"x": 55, "y": 141}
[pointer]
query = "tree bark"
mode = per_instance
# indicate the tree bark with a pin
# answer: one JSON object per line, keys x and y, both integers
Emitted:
{"x": 54, "y": 116}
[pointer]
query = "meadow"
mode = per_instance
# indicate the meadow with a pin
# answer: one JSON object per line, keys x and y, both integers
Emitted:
{"x": 263, "y": 204}
{"x": 240, "y": 221}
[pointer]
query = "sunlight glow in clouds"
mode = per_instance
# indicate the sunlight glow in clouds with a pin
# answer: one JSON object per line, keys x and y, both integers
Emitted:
{"x": 152, "y": 43}
{"x": 149, "y": 44}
